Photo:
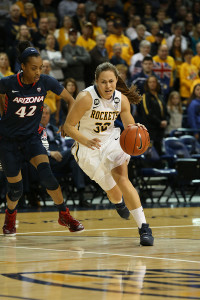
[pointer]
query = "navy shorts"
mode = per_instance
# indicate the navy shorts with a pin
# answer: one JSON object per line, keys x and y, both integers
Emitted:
{"x": 13, "y": 152}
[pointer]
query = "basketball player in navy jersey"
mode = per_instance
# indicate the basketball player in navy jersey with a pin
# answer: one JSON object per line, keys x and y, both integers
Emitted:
{"x": 19, "y": 138}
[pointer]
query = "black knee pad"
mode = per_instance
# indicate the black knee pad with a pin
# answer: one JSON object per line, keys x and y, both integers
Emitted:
{"x": 15, "y": 190}
{"x": 46, "y": 176}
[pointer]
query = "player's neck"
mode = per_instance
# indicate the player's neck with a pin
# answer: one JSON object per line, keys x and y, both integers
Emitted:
{"x": 24, "y": 81}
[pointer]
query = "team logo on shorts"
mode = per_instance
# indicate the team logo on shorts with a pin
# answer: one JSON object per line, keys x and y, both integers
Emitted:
{"x": 96, "y": 102}
{"x": 39, "y": 89}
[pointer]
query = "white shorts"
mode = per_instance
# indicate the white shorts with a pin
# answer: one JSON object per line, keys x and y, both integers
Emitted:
{"x": 98, "y": 163}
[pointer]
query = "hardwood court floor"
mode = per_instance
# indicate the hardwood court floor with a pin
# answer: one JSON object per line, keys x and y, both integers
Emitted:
{"x": 105, "y": 262}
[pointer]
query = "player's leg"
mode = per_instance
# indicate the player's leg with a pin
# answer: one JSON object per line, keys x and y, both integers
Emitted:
{"x": 48, "y": 180}
{"x": 11, "y": 164}
{"x": 132, "y": 200}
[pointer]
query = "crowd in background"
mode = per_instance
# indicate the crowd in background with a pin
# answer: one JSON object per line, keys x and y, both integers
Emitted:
{"x": 154, "y": 45}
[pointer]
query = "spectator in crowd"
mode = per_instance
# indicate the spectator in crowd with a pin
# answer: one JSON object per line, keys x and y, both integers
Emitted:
{"x": 21, "y": 4}
{"x": 79, "y": 18}
{"x": 175, "y": 111}
{"x": 29, "y": 17}
{"x": 188, "y": 32}
{"x": 158, "y": 41}
{"x": 136, "y": 60}
{"x": 52, "y": 24}
{"x": 196, "y": 11}
{"x": 12, "y": 26}
{"x": 51, "y": 99}
{"x": 46, "y": 9}
{"x": 90, "y": 5}
{"x": 77, "y": 57}
{"x": 193, "y": 111}
{"x": 131, "y": 31}
{"x": 71, "y": 86}
{"x": 147, "y": 18}
{"x": 62, "y": 34}
{"x": 164, "y": 68}
{"x": 67, "y": 8}
{"x": 4, "y": 65}
{"x": 85, "y": 40}
{"x": 163, "y": 22}
{"x": 139, "y": 79}
{"x": 60, "y": 157}
{"x": 113, "y": 9}
{"x": 101, "y": 17}
{"x": 177, "y": 55}
{"x": 154, "y": 112}
{"x": 98, "y": 55}
{"x": 119, "y": 37}
{"x": 196, "y": 59}
{"x": 117, "y": 59}
{"x": 39, "y": 37}
{"x": 110, "y": 27}
{"x": 55, "y": 57}
{"x": 188, "y": 73}
{"x": 177, "y": 30}
{"x": 196, "y": 37}
{"x": 154, "y": 29}
{"x": 23, "y": 35}
{"x": 140, "y": 29}
{"x": 92, "y": 18}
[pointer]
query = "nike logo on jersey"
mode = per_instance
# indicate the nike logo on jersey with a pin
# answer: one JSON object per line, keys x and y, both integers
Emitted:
{"x": 140, "y": 147}
{"x": 116, "y": 139}
{"x": 14, "y": 91}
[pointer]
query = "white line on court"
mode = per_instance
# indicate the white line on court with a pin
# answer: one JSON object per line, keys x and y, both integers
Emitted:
{"x": 109, "y": 254}
{"x": 105, "y": 229}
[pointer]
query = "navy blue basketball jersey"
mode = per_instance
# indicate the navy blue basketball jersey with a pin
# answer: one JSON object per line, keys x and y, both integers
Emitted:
{"x": 24, "y": 104}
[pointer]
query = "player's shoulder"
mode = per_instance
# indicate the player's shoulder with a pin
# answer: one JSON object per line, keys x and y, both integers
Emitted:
{"x": 9, "y": 78}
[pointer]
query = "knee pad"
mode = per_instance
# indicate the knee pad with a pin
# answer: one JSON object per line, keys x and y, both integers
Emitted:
{"x": 15, "y": 190}
{"x": 46, "y": 176}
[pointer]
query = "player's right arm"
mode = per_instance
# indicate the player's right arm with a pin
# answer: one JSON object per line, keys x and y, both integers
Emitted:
{"x": 82, "y": 104}
{"x": 2, "y": 104}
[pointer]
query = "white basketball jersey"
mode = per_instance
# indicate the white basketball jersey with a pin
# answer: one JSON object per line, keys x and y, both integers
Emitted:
{"x": 98, "y": 122}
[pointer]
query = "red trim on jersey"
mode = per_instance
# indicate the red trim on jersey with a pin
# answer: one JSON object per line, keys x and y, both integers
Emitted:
{"x": 40, "y": 129}
{"x": 6, "y": 104}
{"x": 19, "y": 80}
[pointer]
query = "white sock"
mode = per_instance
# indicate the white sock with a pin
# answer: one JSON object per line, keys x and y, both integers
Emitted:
{"x": 138, "y": 215}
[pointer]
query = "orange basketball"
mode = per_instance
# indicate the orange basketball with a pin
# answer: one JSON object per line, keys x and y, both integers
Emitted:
{"x": 134, "y": 140}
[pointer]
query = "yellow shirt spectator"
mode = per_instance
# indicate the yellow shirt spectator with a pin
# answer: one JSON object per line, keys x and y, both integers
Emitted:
{"x": 188, "y": 73}
{"x": 51, "y": 100}
{"x": 127, "y": 50}
{"x": 88, "y": 44}
{"x": 196, "y": 61}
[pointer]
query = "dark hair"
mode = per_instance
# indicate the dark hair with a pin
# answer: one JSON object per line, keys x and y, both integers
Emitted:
{"x": 22, "y": 46}
{"x": 131, "y": 93}
{"x": 70, "y": 79}
{"x": 146, "y": 87}
{"x": 193, "y": 96}
{"x": 188, "y": 52}
{"x": 147, "y": 58}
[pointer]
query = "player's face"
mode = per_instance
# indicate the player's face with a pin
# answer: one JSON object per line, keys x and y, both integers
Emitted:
{"x": 106, "y": 84}
{"x": 32, "y": 69}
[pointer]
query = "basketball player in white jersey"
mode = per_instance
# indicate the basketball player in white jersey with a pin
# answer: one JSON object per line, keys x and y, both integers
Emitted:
{"x": 97, "y": 150}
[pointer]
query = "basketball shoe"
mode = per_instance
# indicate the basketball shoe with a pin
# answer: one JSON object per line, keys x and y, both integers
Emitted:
{"x": 65, "y": 219}
{"x": 9, "y": 228}
{"x": 146, "y": 238}
{"x": 122, "y": 210}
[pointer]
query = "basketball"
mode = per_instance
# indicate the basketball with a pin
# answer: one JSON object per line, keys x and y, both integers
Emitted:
{"x": 134, "y": 140}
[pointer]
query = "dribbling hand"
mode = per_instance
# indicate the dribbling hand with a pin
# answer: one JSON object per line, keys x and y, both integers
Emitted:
{"x": 94, "y": 143}
{"x": 137, "y": 124}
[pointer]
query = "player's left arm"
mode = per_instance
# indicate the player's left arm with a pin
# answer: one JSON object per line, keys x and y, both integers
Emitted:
{"x": 125, "y": 114}
{"x": 68, "y": 98}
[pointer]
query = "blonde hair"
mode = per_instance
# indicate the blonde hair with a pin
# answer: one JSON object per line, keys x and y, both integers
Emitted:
{"x": 171, "y": 105}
